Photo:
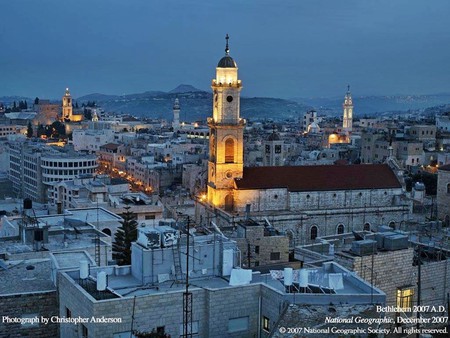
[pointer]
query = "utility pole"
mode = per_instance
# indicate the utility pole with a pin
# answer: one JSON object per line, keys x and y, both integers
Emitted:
{"x": 419, "y": 286}
{"x": 187, "y": 296}
{"x": 249, "y": 255}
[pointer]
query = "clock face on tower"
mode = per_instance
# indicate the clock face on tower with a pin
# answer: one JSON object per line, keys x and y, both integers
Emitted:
{"x": 229, "y": 98}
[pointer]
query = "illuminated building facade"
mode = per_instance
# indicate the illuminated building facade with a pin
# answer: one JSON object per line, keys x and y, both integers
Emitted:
{"x": 303, "y": 202}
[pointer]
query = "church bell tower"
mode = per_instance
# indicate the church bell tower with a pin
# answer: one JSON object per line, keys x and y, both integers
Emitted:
{"x": 67, "y": 105}
{"x": 347, "y": 122}
{"x": 226, "y": 134}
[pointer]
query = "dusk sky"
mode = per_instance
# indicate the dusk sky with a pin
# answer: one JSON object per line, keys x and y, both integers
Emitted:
{"x": 287, "y": 48}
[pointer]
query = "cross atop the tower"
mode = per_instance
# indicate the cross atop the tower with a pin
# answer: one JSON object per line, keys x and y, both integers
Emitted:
{"x": 227, "y": 50}
{"x": 348, "y": 88}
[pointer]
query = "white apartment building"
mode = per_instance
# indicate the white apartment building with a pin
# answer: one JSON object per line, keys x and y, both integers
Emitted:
{"x": 35, "y": 167}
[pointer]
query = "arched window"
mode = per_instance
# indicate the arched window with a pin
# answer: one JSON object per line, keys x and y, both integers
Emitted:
{"x": 392, "y": 224}
{"x": 313, "y": 232}
{"x": 448, "y": 188}
{"x": 366, "y": 227}
{"x": 340, "y": 229}
{"x": 107, "y": 231}
{"x": 447, "y": 221}
{"x": 229, "y": 202}
{"x": 229, "y": 151}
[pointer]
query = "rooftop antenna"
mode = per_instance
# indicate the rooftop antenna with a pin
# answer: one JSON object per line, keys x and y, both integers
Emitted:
{"x": 97, "y": 240}
{"x": 187, "y": 296}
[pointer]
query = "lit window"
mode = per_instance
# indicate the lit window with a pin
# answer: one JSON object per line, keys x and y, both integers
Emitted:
{"x": 266, "y": 324}
{"x": 405, "y": 298}
{"x": 229, "y": 151}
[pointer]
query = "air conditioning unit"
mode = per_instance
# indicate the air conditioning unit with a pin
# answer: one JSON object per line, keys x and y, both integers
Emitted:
{"x": 365, "y": 247}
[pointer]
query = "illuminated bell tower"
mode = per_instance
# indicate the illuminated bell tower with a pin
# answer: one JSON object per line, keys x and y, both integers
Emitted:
{"x": 347, "y": 122}
{"x": 226, "y": 136}
{"x": 67, "y": 106}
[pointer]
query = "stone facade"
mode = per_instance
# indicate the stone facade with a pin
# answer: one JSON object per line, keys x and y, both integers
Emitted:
{"x": 260, "y": 248}
{"x": 38, "y": 304}
{"x": 394, "y": 269}
{"x": 443, "y": 194}
{"x": 213, "y": 308}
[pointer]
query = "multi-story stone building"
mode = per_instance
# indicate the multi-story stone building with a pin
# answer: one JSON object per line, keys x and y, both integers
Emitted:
{"x": 34, "y": 167}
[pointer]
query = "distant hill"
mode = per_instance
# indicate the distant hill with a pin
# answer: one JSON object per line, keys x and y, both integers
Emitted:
{"x": 184, "y": 88}
{"x": 196, "y": 104}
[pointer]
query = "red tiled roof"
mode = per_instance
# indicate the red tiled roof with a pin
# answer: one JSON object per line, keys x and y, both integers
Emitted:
{"x": 319, "y": 178}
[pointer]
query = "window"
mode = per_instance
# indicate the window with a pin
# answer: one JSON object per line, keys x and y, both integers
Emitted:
{"x": 405, "y": 298}
{"x": 149, "y": 216}
{"x": 68, "y": 313}
{"x": 448, "y": 188}
{"x": 267, "y": 149}
{"x": 313, "y": 232}
{"x": 229, "y": 151}
{"x": 340, "y": 229}
{"x": 278, "y": 149}
{"x": 367, "y": 227}
{"x": 84, "y": 331}
{"x": 238, "y": 324}
{"x": 256, "y": 249}
{"x": 266, "y": 324}
{"x": 274, "y": 256}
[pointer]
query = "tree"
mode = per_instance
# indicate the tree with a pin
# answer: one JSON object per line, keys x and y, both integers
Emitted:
{"x": 29, "y": 130}
{"x": 40, "y": 130}
{"x": 125, "y": 235}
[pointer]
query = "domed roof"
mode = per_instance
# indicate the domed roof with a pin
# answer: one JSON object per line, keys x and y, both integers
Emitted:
{"x": 227, "y": 62}
{"x": 274, "y": 137}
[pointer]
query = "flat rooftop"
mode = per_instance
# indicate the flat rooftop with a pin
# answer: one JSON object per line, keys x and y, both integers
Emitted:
{"x": 17, "y": 279}
{"x": 320, "y": 285}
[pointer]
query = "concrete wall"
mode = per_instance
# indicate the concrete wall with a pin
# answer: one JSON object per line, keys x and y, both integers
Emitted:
{"x": 443, "y": 196}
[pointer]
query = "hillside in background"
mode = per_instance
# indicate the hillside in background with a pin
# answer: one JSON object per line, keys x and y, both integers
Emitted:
{"x": 196, "y": 104}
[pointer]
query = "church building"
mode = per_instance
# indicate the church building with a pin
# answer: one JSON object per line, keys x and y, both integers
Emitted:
{"x": 302, "y": 201}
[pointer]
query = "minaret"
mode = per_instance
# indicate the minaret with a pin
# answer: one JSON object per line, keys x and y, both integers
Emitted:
{"x": 176, "y": 115}
{"x": 67, "y": 106}
{"x": 226, "y": 140}
{"x": 347, "y": 123}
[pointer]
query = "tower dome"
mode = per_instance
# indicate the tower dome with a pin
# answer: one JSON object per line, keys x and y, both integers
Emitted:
{"x": 227, "y": 61}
